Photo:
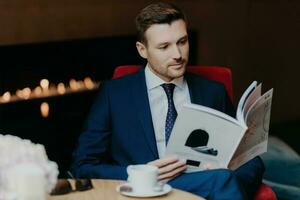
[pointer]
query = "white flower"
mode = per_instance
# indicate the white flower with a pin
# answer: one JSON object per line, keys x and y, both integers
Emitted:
{"x": 15, "y": 151}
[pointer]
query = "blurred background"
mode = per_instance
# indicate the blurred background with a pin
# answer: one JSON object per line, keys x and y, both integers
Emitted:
{"x": 77, "y": 44}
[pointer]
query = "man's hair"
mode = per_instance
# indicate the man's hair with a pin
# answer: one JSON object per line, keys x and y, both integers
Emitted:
{"x": 156, "y": 13}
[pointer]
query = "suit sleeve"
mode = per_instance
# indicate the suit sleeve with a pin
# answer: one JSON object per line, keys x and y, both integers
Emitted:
{"x": 250, "y": 176}
{"x": 92, "y": 157}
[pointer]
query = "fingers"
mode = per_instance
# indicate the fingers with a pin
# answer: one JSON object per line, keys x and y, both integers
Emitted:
{"x": 165, "y": 180}
{"x": 164, "y": 161}
{"x": 170, "y": 167}
{"x": 172, "y": 174}
{"x": 207, "y": 166}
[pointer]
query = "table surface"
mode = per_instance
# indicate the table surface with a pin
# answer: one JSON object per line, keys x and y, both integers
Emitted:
{"x": 106, "y": 190}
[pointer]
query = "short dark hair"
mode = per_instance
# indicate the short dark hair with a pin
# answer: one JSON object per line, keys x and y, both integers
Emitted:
{"x": 156, "y": 13}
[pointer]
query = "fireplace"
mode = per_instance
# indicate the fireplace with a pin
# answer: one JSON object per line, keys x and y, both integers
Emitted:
{"x": 25, "y": 66}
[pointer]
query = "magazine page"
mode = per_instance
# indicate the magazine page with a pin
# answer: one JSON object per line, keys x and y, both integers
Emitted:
{"x": 212, "y": 112}
{"x": 204, "y": 138}
{"x": 255, "y": 94}
{"x": 255, "y": 140}
{"x": 240, "y": 107}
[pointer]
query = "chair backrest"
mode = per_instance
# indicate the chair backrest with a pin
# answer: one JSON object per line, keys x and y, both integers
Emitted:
{"x": 216, "y": 73}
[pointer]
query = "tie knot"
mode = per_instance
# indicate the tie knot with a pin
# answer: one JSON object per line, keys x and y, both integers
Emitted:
{"x": 169, "y": 88}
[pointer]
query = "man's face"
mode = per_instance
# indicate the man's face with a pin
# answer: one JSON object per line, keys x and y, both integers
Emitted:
{"x": 167, "y": 49}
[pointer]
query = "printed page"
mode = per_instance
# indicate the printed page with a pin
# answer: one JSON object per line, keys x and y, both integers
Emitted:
{"x": 255, "y": 94}
{"x": 203, "y": 138}
{"x": 211, "y": 111}
{"x": 255, "y": 140}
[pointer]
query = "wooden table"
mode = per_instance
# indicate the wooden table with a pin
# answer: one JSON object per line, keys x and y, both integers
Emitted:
{"x": 106, "y": 190}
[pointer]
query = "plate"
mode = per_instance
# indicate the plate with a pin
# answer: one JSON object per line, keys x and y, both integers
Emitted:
{"x": 165, "y": 190}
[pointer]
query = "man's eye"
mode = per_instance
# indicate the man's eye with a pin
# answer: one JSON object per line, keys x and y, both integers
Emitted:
{"x": 163, "y": 47}
{"x": 182, "y": 42}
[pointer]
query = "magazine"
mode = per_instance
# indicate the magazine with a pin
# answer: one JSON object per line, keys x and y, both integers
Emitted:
{"x": 210, "y": 139}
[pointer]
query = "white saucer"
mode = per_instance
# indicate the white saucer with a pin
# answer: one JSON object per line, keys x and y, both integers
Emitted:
{"x": 166, "y": 189}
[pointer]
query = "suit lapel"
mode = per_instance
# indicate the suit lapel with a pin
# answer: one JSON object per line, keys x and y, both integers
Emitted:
{"x": 140, "y": 96}
{"x": 194, "y": 89}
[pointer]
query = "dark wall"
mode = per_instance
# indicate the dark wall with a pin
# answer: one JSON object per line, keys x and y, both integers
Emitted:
{"x": 258, "y": 39}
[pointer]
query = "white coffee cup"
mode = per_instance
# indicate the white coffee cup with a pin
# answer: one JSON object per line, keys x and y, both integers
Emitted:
{"x": 143, "y": 178}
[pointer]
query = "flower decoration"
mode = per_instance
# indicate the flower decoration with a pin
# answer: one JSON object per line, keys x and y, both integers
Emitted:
{"x": 15, "y": 151}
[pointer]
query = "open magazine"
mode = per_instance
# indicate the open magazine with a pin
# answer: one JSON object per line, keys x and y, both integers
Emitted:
{"x": 210, "y": 139}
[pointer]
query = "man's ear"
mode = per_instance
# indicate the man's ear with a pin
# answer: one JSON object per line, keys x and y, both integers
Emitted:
{"x": 141, "y": 49}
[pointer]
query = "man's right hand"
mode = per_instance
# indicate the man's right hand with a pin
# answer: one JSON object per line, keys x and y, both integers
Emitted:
{"x": 169, "y": 167}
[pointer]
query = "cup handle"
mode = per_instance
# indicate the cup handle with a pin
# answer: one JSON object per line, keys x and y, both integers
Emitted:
{"x": 128, "y": 172}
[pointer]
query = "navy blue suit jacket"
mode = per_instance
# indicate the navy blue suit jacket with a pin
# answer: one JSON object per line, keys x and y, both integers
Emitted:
{"x": 119, "y": 130}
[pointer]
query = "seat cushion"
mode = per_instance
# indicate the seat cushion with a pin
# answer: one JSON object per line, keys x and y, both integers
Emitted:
{"x": 282, "y": 169}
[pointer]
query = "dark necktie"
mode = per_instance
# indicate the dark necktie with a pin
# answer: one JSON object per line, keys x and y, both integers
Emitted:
{"x": 171, "y": 114}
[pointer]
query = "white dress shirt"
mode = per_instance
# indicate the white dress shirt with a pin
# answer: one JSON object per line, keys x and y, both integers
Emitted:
{"x": 159, "y": 104}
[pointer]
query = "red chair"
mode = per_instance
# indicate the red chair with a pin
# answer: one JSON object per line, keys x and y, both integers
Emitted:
{"x": 219, "y": 74}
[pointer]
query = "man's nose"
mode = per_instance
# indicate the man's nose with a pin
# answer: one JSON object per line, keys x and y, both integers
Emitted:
{"x": 176, "y": 53}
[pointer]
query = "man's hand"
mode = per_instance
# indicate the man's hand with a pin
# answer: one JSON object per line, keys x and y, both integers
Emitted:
{"x": 169, "y": 167}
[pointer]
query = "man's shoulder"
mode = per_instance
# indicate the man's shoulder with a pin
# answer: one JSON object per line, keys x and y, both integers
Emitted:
{"x": 125, "y": 82}
{"x": 197, "y": 80}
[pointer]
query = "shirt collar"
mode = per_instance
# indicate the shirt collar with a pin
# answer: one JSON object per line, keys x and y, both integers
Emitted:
{"x": 154, "y": 81}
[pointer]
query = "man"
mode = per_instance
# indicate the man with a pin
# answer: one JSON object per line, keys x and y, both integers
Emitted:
{"x": 133, "y": 116}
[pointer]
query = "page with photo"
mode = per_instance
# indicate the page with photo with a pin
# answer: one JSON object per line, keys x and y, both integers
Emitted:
{"x": 208, "y": 138}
